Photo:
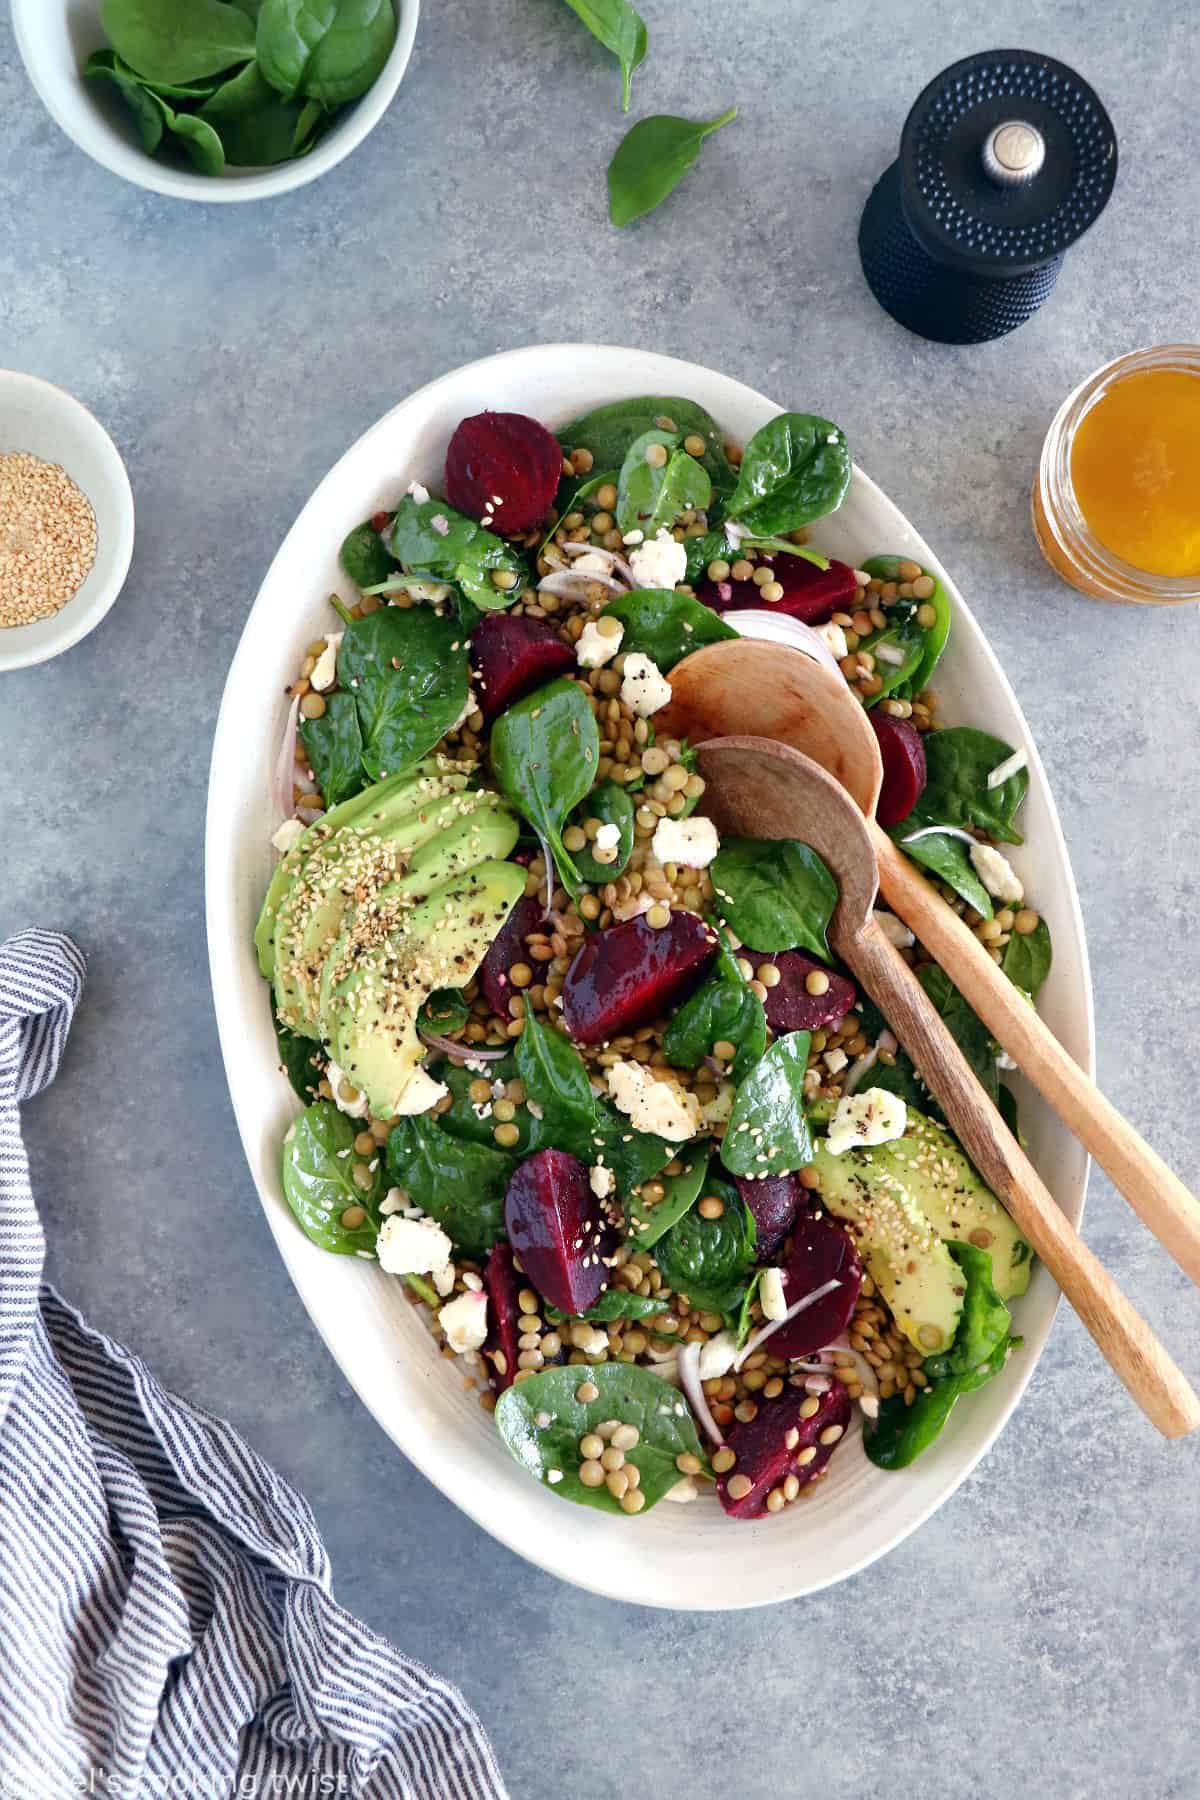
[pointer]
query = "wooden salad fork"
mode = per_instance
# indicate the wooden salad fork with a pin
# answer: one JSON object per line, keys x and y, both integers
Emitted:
{"x": 779, "y": 693}
{"x": 759, "y": 788}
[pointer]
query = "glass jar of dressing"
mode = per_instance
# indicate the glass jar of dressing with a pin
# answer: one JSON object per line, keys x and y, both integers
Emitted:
{"x": 1116, "y": 502}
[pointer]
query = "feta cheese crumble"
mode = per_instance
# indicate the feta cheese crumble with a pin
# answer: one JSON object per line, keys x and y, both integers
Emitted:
{"x": 420, "y": 1092}
{"x": 894, "y": 930}
{"x": 997, "y": 874}
{"x": 600, "y": 1180}
{"x": 593, "y": 649}
{"x": 325, "y": 673}
{"x": 337, "y": 1078}
{"x": 692, "y": 843}
{"x": 771, "y": 1296}
{"x": 662, "y": 1108}
{"x": 608, "y": 837}
{"x": 717, "y": 1356}
{"x": 662, "y": 563}
{"x": 644, "y": 689}
{"x": 418, "y": 492}
{"x": 834, "y": 638}
{"x": 872, "y": 1117}
{"x": 464, "y": 1322}
{"x": 288, "y": 835}
{"x": 412, "y": 1246}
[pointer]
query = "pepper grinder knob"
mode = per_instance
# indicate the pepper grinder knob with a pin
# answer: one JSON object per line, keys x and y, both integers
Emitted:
{"x": 1005, "y": 160}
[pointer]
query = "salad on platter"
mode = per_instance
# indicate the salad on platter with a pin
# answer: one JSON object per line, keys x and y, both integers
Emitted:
{"x": 582, "y": 1073}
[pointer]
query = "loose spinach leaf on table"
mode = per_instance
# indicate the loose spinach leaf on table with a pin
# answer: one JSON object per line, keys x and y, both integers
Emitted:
{"x": 887, "y": 568}
{"x": 724, "y": 1007}
{"x": 620, "y": 30}
{"x": 680, "y": 1193}
{"x": 950, "y": 860}
{"x": 256, "y": 127}
{"x": 609, "y": 430}
{"x": 319, "y": 1185}
{"x": 958, "y": 762}
{"x": 1027, "y": 957}
{"x": 327, "y": 50}
{"x": 459, "y": 1184}
{"x": 710, "y": 1260}
{"x": 334, "y": 747}
{"x": 408, "y": 671}
{"x": 445, "y": 1011}
{"x": 544, "y": 754}
{"x": 612, "y": 806}
{"x": 296, "y": 1054}
{"x": 364, "y": 556}
{"x": 430, "y": 538}
{"x": 651, "y": 496}
{"x": 666, "y": 626}
{"x": 635, "y": 1396}
{"x": 768, "y": 1132}
{"x": 979, "y": 1351}
{"x": 556, "y": 1080}
{"x": 168, "y": 45}
{"x": 652, "y": 159}
{"x": 775, "y": 893}
{"x": 796, "y": 468}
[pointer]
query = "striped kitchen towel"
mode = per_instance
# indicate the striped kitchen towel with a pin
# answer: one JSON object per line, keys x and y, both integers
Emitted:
{"x": 166, "y": 1620}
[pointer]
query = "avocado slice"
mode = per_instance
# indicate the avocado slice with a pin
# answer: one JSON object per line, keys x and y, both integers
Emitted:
{"x": 903, "y": 1252}
{"x": 360, "y": 807}
{"x": 954, "y": 1199}
{"x": 371, "y": 1021}
{"x": 348, "y": 869}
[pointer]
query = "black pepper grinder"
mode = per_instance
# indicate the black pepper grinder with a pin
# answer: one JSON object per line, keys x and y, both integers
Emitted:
{"x": 1006, "y": 159}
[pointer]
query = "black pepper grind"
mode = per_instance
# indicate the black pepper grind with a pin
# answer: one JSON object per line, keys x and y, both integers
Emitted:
{"x": 1005, "y": 160}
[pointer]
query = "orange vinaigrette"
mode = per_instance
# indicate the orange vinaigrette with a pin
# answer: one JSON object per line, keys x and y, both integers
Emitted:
{"x": 1116, "y": 502}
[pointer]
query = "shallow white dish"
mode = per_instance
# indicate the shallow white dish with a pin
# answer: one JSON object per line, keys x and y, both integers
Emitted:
{"x": 689, "y": 1557}
{"x": 46, "y": 421}
{"x": 56, "y": 37}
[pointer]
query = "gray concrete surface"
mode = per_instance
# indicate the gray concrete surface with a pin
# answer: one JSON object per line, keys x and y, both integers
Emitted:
{"x": 1039, "y": 1636}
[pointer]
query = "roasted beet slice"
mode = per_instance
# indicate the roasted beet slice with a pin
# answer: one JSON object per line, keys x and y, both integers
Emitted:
{"x": 790, "y": 1006}
{"x": 556, "y": 1226}
{"x": 503, "y": 469}
{"x": 503, "y": 1285}
{"x": 821, "y": 1251}
{"x": 769, "y": 1448}
{"x": 809, "y": 593}
{"x": 512, "y": 654}
{"x": 903, "y": 756}
{"x": 631, "y": 973}
{"x": 507, "y": 948}
{"x": 774, "y": 1200}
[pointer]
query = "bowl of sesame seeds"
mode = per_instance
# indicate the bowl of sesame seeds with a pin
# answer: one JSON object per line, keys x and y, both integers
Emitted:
{"x": 66, "y": 520}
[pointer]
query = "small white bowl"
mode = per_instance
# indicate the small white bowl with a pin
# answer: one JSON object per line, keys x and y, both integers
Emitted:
{"x": 56, "y": 37}
{"x": 45, "y": 421}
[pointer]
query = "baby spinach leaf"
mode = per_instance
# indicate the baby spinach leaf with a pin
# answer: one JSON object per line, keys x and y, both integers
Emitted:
{"x": 709, "y": 1260}
{"x": 796, "y": 468}
{"x": 652, "y": 159}
{"x": 635, "y": 1396}
{"x": 768, "y": 1132}
{"x": 461, "y": 1120}
{"x": 334, "y": 747}
{"x": 407, "y": 669}
{"x": 980, "y": 1350}
{"x": 680, "y": 1193}
{"x": 197, "y": 139}
{"x": 958, "y": 762}
{"x": 620, "y": 30}
{"x": 445, "y": 1011}
{"x": 775, "y": 893}
{"x": 969, "y": 1033}
{"x": 900, "y": 638}
{"x": 296, "y": 1054}
{"x": 167, "y": 44}
{"x": 328, "y": 50}
{"x": 666, "y": 627}
{"x": 1027, "y": 957}
{"x": 430, "y": 538}
{"x": 887, "y": 568}
{"x": 105, "y": 65}
{"x": 460, "y": 1185}
{"x": 319, "y": 1185}
{"x": 714, "y": 546}
{"x": 650, "y": 496}
{"x": 724, "y": 1007}
{"x": 609, "y": 430}
{"x": 364, "y": 556}
{"x": 949, "y": 859}
{"x": 257, "y": 129}
{"x": 633, "y": 1156}
{"x": 612, "y": 806}
{"x": 544, "y": 754}
{"x": 557, "y": 1082}
{"x": 745, "y": 1319}
{"x": 617, "y": 1303}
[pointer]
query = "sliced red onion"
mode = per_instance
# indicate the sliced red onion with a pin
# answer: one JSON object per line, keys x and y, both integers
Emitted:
{"x": 285, "y": 764}
{"x": 891, "y": 653}
{"x": 617, "y": 562}
{"x": 718, "y": 1068}
{"x": 781, "y": 628}
{"x": 459, "y": 1052}
{"x": 735, "y": 533}
{"x": 689, "y": 1377}
{"x": 954, "y": 831}
{"x": 857, "y": 1070}
{"x": 570, "y": 586}
{"x": 1012, "y": 765}
{"x": 766, "y": 1331}
{"x": 887, "y": 1041}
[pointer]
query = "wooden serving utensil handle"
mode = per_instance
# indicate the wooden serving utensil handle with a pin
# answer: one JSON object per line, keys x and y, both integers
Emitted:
{"x": 1124, "y": 1338}
{"x": 1157, "y": 1195}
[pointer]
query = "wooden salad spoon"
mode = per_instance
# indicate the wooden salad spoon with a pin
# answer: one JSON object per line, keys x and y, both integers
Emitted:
{"x": 774, "y": 691}
{"x": 758, "y": 788}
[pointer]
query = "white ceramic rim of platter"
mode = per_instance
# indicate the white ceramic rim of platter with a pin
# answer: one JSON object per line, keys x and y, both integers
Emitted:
{"x": 686, "y": 1557}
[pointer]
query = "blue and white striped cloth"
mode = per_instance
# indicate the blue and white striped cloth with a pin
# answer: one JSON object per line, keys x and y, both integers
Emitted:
{"x": 166, "y": 1620}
